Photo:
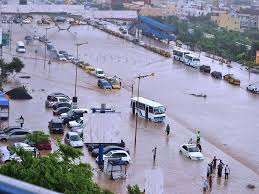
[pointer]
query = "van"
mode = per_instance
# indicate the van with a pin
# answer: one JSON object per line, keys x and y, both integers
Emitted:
{"x": 99, "y": 73}
{"x": 20, "y": 48}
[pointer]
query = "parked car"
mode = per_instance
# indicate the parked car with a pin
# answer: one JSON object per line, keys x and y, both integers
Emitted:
{"x": 56, "y": 97}
{"x": 254, "y": 88}
{"x": 42, "y": 145}
{"x": 216, "y": 74}
{"x": 76, "y": 123}
{"x": 115, "y": 82}
{"x": 11, "y": 128}
{"x": 7, "y": 154}
{"x": 79, "y": 130}
{"x": 61, "y": 57}
{"x": 15, "y": 135}
{"x": 104, "y": 84}
{"x": 70, "y": 57}
{"x": 28, "y": 38}
{"x": 80, "y": 111}
{"x": 117, "y": 154}
{"x": 61, "y": 110}
{"x": 73, "y": 139}
{"x": 61, "y": 104}
{"x": 107, "y": 149}
{"x": 205, "y": 68}
{"x": 191, "y": 151}
{"x": 26, "y": 21}
{"x": 56, "y": 126}
{"x": 60, "y": 19}
{"x": 230, "y": 78}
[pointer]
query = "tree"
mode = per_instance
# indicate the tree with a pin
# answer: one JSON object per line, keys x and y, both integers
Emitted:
{"x": 134, "y": 189}
{"x": 37, "y": 137}
{"x": 15, "y": 65}
{"x": 54, "y": 172}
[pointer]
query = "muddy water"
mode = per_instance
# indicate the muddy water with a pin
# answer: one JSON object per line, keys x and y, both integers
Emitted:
{"x": 227, "y": 118}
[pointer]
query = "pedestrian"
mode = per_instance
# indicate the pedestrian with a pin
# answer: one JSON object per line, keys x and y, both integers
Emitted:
{"x": 122, "y": 143}
{"x": 208, "y": 171}
{"x": 154, "y": 154}
{"x": 205, "y": 184}
{"x": 21, "y": 120}
{"x": 210, "y": 181}
{"x": 227, "y": 172}
{"x": 214, "y": 161}
{"x": 220, "y": 168}
{"x": 199, "y": 146}
{"x": 198, "y": 137}
{"x": 211, "y": 168}
{"x": 167, "y": 130}
{"x": 190, "y": 141}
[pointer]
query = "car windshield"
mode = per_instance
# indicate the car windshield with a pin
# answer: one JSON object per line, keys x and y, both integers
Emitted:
{"x": 62, "y": 100}
{"x": 70, "y": 113}
{"x": 159, "y": 110}
{"x": 75, "y": 138}
{"x": 109, "y": 154}
{"x": 106, "y": 83}
{"x": 193, "y": 149}
{"x": 196, "y": 59}
{"x": 100, "y": 72}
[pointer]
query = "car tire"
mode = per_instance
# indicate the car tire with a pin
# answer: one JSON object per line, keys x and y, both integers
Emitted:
{"x": 4, "y": 140}
{"x": 190, "y": 158}
{"x": 180, "y": 152}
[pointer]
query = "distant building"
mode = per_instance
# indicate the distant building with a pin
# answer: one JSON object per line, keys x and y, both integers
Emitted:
{"x": 227, "y": 21}
{"x": 249, "y": 18}
{"x": 158, "y": 11}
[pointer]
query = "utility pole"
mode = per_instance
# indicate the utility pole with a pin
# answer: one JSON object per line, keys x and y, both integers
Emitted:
{"x": 77, "y": 48}
{"x": 139, "y": 77}
{"x": 45, "y": 41}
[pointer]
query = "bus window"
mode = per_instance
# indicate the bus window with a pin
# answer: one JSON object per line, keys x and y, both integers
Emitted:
{"x": 159, "y": 110}
{"x": 151, "y": 109}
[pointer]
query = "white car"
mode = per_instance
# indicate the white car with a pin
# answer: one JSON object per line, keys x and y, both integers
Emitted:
{"x": 253, "y": 88}
{"x": 61, "y": 57}
{"x": 77, "y": 123}
{"x": 70, "y": 57}
{"x": 26, "y": 21}
{"x": 6, "y": 154}
{"x": 191, "y": 151}
{"x": 73, "y": 139}
{"x": 117, "y": 154}
{"x": 52, "y": 99}
{"x": 79, "y": 130}
{"x": 77, "y": 110}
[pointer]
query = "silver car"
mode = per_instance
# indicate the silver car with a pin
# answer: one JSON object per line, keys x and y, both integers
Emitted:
{"x": 15, "y": 135}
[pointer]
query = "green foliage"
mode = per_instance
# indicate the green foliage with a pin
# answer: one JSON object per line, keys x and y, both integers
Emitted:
{"x": 134, "y": 189}
{"x": 37, "y": 137}
{"x": 15, "y": 66}
{"x": 237, "y": 46}
{"x": 54, "y": 172}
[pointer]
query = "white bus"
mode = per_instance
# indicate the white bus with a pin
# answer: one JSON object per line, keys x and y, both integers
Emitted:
{"x": 178, "y": 54}
{"x": 192, "y": 60}
{"x": 148, "y": 109}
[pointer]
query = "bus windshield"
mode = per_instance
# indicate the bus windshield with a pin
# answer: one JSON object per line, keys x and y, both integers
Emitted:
{"x": 159, "y": 110}
{"x": 195, "y": 59}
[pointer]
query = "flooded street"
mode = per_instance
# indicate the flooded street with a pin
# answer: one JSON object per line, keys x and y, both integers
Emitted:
{"x": 227, "y": 118}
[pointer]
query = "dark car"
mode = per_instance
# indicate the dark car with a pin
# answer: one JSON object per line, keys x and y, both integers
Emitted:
{"x": 95, "y": 152}
{"x": 60, "y": 19}
{"x": 61, "y": 104}
{"x": 64, "y": 53}
{"x": 205, "y": 68}
{"x": 73, "y": 117}
{"x": 28, "y": 38}
{"x": 42, "y": 145}
{"x": 104, "y": 84}
{"x": 56, "y": 126}
{"x": 61, "y": 110}
{"x": 216, "y": 74}
{"x": 93, "y": 146}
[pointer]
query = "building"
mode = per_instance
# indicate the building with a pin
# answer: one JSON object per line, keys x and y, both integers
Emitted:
{"x": 158, "y": 11}
{"x": 249, "y": 18}
{"x": 227, "y": 21}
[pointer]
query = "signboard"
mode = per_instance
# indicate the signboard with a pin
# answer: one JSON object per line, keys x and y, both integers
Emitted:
{"x": 257, "y": 57}
{"x": 5, "y": 39}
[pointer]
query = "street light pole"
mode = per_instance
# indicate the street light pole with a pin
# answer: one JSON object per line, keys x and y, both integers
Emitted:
{"x": 46, "y": 39}
{"x": 77, "y": 48}
{"x": 136, "y": 124}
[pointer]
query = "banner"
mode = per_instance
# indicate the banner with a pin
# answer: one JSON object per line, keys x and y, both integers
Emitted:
{"x": 257, "y": 57}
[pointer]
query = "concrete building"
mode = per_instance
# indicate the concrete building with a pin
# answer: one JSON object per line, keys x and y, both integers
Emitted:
{"x": 158, "y": 11}
{"x": 249, "y": 18}
{"x": 227, "y": 21}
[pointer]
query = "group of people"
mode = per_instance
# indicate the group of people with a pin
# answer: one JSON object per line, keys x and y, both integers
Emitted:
{"x": 211, "y": 169}
{"x": 198, "y": 141}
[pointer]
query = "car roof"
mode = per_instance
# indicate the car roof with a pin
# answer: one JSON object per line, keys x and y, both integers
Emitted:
{"x": 72, "y": 133}
{"x": 189, "y": 145}
{"x": 56, "y": 120}
{"x": 118, "y": 151}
